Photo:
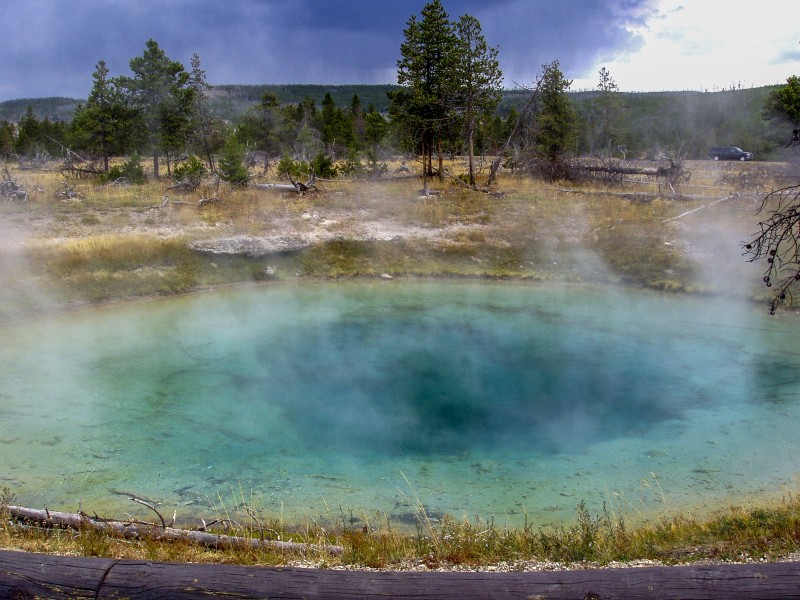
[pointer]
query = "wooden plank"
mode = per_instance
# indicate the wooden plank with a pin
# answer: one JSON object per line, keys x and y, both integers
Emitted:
{"x": 26, "y": 575}
{"x": 65, "y": 577}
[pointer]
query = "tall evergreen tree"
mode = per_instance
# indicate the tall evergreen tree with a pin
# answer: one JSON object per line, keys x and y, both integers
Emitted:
{"x": 6, "y": 139}
{"x": 478, "y": 78}
{"x": 357, "y": 123}
{"x": 265, "y": 126}
{"x": 160, "y": 89}
{"x": 556, "y": 120}
{"x": 105, "y": 124}
{"x": 426, "y": 70}
{"x": 206, "y": 130}
{"x": 375, "y": 128}
{"x": 607, "y": 104}
{"x": 28, "y": 140}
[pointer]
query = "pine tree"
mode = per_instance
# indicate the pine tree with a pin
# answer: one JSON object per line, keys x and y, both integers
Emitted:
{"x": 206, "y": 130}
{"x": 6, "y": 139}
{"x": 479, "y": 80}
{"x": 426, "y": 70}
{"x": 28, "y": 134}
{"x": 607, "y": 103}
{"x": 160, "y": 89}
{"x": 375, "y": 128}
{"x": 556, "y": 121}
{"x": 265, "y": 126}
{"x": 231, "y": 164}
{"x": 105, "y": 124}
{"x": 357, "y": 122}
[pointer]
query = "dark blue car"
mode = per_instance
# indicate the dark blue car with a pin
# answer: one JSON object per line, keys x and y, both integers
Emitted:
{"x": 729, "y": 153}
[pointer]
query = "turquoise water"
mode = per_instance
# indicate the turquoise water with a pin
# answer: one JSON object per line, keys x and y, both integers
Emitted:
{"x": 501, "y": 400}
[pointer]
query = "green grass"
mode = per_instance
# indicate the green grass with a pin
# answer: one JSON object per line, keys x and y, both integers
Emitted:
{"x": 767, "y": 532}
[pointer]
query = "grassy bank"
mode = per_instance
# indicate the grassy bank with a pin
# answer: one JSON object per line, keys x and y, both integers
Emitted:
{"x": 116, "y": 243}
{"x": 736, "y": 534}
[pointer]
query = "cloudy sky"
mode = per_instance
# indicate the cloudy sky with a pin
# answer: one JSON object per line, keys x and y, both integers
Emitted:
{"x": 51, "y": 47}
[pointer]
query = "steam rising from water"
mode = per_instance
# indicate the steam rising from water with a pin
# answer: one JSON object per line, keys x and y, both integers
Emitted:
{"x": 503, "y": 399}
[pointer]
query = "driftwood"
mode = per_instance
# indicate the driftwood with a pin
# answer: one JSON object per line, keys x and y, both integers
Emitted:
{"x": 10, "y": 189}
{"x": 647, "y": 196}
{"x": 709, "y": 205}
{"x": 672, "y": 174}
{"x": 24, "y": 575}
{"x": 138, "y": 529}
{"x": 199, "y": 204}
{"x": 185, "y": 186}
{"x": 292, "y": 186}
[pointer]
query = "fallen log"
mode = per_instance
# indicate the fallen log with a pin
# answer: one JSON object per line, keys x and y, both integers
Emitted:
{"x": 24, "y": 575}
{"x": 283, "y": 187}
{"x": 702, "y": 206}
{"x": 292, "y": 186}
{"x": 136, "y": 530}
{"x": 638, "y": 196}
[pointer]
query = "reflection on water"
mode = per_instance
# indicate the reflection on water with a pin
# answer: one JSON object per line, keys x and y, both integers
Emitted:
{"x": 509, "y": 400}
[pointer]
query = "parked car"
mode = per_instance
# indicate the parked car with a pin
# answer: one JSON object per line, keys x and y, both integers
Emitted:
{"x": 729, "y": 153}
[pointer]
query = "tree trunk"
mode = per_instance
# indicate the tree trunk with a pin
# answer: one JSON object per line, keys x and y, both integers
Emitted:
{"x": 441, "y": 162}
{"x": 471, "y": 144}
{"x": 155, "y": 165}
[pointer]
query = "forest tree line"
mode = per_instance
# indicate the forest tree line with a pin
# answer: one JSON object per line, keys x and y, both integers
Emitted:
{"x": 448, "y": 102}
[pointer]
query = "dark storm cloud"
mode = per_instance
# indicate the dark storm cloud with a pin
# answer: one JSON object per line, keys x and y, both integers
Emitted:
{"x": 59, "y": 43}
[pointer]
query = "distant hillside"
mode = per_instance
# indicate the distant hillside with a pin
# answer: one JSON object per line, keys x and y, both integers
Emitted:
{"x": 228, "y": 101}
{"x": 231, "y": 101}
{"x": 54, "y": 109}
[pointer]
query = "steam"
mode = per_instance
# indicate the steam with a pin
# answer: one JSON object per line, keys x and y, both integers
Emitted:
{"x": 21, "y": 293}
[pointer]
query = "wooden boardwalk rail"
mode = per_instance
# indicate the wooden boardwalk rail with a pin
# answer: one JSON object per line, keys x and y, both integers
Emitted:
{"x": 25, "y": 575}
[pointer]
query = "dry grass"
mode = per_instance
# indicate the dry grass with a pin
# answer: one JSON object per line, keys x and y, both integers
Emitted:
{"x": 113, "y": 243}
{"x": 770, "y": 531}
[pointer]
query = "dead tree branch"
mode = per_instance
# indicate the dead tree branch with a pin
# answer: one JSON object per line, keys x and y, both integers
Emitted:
{"x": 155, "y": 510}
{"x": 701, "y": 207}
{"x": 10, "y": 189}
{"x": 534, "y": 97}
{"x": 137, "y": 530}
{"x": 292, "y": 186}
{"x": 67, "y": 192}
{"x": 778, "y": 243}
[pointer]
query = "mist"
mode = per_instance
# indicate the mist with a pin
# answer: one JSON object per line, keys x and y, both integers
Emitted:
{"x": 297, "y": 392}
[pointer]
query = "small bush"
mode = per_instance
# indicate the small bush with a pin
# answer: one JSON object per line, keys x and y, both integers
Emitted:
{"x": 131, "y": 170}
{"x": 323, "y": 166}
{"x": 190, "y": 172}
{"x": 231, "y": 165}
{"x": 293, "y": 168}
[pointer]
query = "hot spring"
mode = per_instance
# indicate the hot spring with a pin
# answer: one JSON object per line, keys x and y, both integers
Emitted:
{"x": 506, "y": 400}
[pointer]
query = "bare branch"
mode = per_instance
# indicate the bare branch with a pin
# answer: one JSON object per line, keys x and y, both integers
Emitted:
{"x": 151, "y": 507}
{"x": 778, "y": 242}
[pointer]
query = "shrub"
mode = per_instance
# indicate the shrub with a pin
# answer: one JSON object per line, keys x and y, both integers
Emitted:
{"x": 231, "y": 165}
{"x": 131, "y": 170}
{"x": 288, "y": 166}
{"x": 191, "y": 171}
{"x": 323, "y": 166}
